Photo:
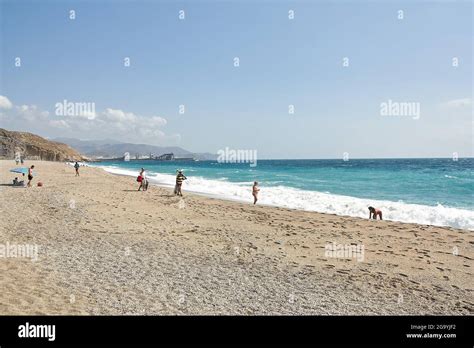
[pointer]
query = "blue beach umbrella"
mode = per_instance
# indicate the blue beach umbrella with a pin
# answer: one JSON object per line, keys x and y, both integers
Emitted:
{"x": 19, "y": 170}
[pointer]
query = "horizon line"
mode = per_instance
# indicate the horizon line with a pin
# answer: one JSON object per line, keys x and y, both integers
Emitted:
{"x": 336, "y": 159}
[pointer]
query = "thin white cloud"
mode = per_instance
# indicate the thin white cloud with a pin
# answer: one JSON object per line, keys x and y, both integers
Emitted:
{"x": 62, "y": 124}
{"x": 118, "y": 116}
{"x": 5, "y": 103}
{"x": 31, "y": 113}
{"x": 110, "y": 123}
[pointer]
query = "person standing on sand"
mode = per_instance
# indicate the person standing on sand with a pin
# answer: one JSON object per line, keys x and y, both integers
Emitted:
{"x": 140, "y": 178}
{"x": 179, "y": 182}
{"x": 176, "y": 185}
{"x": 375, "y": 212}
{"x": 76, "y": 166}
{"x": 255, "y": 190}
{"x": 30, "y": 175}
{"x": 144, "y": 182}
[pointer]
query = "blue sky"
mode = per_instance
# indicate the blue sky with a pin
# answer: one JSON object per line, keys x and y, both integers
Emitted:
{"x": 190, "y": 62}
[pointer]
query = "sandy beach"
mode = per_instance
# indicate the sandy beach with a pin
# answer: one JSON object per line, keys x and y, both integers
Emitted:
{"x": 105, "y": 248}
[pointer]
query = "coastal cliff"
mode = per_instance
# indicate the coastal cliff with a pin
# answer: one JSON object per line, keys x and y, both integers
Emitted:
{"x": 32, "y": 146}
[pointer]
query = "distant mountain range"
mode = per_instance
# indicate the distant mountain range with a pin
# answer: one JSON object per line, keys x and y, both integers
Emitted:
{"x": 112, "y": 149}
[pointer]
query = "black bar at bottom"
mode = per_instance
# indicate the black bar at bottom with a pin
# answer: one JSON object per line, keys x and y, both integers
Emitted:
{"x": 261, "y": 330}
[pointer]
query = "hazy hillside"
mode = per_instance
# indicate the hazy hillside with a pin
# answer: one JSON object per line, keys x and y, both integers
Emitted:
{"x": 111, "y": 148}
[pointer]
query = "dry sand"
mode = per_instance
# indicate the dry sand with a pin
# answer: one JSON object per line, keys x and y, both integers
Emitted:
{"x": 105, "y": 248}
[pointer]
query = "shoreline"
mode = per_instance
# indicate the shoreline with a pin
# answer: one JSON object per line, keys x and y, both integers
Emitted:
{"x": 244, "y": 201}
{"x": 106, "y": 249}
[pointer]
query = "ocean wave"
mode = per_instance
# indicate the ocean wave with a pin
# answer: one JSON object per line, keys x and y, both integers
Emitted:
{"x": 287, "y": 197}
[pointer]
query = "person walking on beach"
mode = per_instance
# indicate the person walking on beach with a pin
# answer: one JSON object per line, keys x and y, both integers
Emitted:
{"x": 374, "y": 212}
{"x": 30, "y": 175}
{"x": 179, "y": 182}
{"x": 144, "y": 182}
{"x": 76, "y": 166}
{"x": 255, "y": 190}
{"x": 140, "y": 178}
{"x": 176, "y": 185}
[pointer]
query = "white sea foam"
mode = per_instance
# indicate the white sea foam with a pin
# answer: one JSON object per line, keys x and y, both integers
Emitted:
{"x": 283, "y": 196}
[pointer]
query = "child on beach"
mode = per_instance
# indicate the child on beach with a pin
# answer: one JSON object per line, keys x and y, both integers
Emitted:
{"x": 375, "y": 212}
{"x": 179, "y": 182}
{"x": 30, "y": 175}
{"x": 255, "y": 190}
{"x": 76, "y": 166}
